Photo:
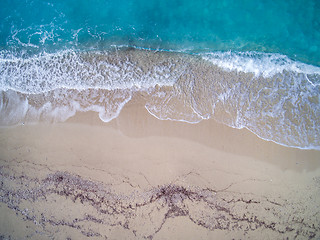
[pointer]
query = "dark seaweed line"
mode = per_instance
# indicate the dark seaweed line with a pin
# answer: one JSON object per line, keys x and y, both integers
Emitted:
{"x": 175, "y": 200}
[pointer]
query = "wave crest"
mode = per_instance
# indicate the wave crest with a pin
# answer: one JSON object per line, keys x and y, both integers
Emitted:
{"x": 261, "y": 64}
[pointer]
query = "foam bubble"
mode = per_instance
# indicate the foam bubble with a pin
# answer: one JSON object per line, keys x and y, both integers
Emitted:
{"x": 279, "y": 102}
{"x": 84, "y": 70}
{"x": 60, "y": 104}
{"x": 283, "y": 108}
{"x": 260, "y": 64}
{"x": 13, "y": 108}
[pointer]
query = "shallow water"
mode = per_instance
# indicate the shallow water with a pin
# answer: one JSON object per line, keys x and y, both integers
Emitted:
{"x": 283, "y": 107}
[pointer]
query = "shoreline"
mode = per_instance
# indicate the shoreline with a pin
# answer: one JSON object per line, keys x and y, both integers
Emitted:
{"x": 175, "y": 86}
{"x": 163, "y": 180}
{"x": 243, "y": 142}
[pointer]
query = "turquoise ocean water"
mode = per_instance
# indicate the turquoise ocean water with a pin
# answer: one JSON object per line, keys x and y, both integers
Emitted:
{"x": 256, "y": 62}
{"x": 290, "y": 27}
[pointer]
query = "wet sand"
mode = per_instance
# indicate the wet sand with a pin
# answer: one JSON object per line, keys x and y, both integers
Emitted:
{"x": 137, "y": 177}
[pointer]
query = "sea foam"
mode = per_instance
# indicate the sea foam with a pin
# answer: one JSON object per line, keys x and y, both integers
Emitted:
{"x": 73, "y": 70}
{"x": 265, "y": 64}
{"x": 269, "y": 94}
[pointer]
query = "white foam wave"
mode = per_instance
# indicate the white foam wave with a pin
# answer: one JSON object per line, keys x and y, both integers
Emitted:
{"x": 60, "y": 105}
{"x": 284, "y": 109}
{"x": 90, "y": 70}
{"x": 260, "y": 64}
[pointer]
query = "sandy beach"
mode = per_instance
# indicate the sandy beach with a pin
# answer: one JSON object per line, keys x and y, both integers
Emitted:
{"x": 159, "y": 120}
{"x": 138, "y": 177}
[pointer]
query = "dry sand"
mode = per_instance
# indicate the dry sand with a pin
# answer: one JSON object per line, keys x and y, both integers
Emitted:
{"x": 138, "y": 177}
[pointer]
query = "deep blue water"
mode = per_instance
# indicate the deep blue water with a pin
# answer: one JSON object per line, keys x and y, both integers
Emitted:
{"x": 290, "y": 27}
